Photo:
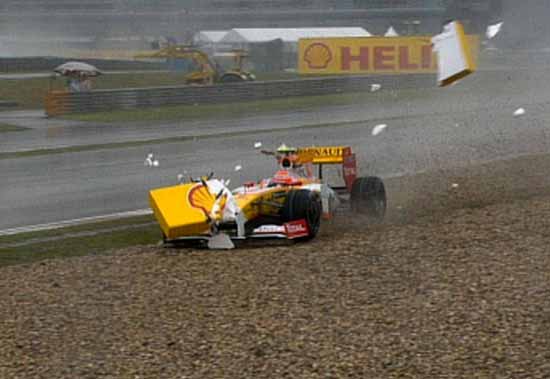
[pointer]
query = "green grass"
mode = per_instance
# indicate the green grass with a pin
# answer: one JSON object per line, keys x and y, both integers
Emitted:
{"x": 5, "y": 128}
{"x": 90, "y": 239}
{"x": 30, "y": 93}
{"x": 242, "y": 109}
{"x": 86, "y": 227}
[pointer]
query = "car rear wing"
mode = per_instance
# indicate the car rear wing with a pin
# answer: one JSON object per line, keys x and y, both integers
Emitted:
{"x": 322, "y": 155}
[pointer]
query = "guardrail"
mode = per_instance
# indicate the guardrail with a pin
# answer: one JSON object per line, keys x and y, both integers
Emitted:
{"x": 60, "y": 103}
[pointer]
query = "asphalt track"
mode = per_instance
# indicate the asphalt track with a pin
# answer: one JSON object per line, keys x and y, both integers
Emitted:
{"x": 464, "y": 125}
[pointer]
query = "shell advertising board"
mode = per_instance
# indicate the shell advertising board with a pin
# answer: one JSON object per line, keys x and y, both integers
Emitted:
{"x": 371, "y": 55}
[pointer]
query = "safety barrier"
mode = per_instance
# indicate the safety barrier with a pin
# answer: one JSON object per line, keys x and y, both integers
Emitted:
{"x": 60, "y": 103}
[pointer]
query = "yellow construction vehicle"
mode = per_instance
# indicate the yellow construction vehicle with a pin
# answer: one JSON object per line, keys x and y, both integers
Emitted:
{"x": 205, "y": 70}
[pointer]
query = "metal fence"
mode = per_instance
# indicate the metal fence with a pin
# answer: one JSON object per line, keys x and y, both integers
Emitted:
{"x": 60, "y": 103}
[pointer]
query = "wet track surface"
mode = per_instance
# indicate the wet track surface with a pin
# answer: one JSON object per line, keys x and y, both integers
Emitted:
{"x": 431, "y": 129}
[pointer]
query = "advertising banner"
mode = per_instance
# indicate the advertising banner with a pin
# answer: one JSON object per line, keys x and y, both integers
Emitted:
{"x": 371, "y": 55}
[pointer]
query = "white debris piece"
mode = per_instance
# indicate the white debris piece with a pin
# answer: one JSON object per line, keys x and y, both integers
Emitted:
{"x": 257, "y": 145}
{"x": 454, "y": 185}
{"x": 220, "y": 241}
{"x": 238, "y": 167}
{"x": 375, "y": 87}
{"x": 454, "y": 54}
{"x": 391, "y": 32}
{"x": 155, "y": 163}
{"x": 519, "y": 112}
{"x": 149, "y": 160}
{"x": 378, "y": 129}
{"x": 493, "y": 30}
{"x": 180, "y": 178}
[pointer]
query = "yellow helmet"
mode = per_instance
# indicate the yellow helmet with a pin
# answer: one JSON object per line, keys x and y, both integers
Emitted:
{"x": 285, "y": 149}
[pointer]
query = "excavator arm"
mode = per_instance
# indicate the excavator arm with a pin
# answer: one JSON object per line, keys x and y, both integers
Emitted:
{"x": 208, "y": 71}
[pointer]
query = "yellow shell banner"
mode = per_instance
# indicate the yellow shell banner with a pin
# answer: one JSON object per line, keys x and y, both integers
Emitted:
{"x": 371, "y": 55}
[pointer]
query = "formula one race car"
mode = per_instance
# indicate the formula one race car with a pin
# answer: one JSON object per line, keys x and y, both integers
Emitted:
{"x": 289, "y": 205}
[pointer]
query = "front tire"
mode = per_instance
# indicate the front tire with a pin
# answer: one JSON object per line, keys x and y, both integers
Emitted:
{"x": 303, "y": 205}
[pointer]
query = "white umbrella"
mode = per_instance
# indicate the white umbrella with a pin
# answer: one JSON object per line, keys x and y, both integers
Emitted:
{"x": 70, "y": 68}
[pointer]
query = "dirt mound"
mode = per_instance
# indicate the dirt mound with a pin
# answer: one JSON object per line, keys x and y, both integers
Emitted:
{"x": 450, "y": 287}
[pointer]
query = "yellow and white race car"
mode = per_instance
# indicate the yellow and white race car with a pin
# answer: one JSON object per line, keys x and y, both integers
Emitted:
{"x": 288, "y": 205}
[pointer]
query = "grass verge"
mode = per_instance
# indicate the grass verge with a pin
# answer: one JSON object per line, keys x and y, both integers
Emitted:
{"x": 245, "y": 109}
{"x": 5, "y": 128}
{"x": 88, "y": 239}
{"x": 30, "y": 93}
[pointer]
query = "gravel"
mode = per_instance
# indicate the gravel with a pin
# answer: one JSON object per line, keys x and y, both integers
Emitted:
{"x": 455, "y": 285}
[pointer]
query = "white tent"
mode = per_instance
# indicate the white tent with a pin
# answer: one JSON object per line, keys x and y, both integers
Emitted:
{"x": 292, "y": 35}
{"x": 391, "y": 32}
{"x": 209, "y": 36}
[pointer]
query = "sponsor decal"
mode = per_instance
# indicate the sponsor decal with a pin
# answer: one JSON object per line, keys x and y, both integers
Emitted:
{"x": 384, "y": 55}
{"x": 317, "y": 56}
{"x": 349, "y": 167}
{"x": 270, "y": 229}
{"x": 296, "y": 229}
{"x": 200, "y": 197}
{"x": 323, "y": 152}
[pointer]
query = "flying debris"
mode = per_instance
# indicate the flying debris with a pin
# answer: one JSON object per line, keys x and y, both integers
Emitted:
{"x": 493, "y": 30}
{"x": 257, "y": 145}
{"x": 375, "y": 87}
{"x": 150, "y": 161}
{"x": 391, "y": 32}
{"x": 455, "y": 185}
{"x": 378, "y": 129}
{"x": 238, "y": 167}
{"x": 453, "y": 54}
{"x": 519, "y": 112}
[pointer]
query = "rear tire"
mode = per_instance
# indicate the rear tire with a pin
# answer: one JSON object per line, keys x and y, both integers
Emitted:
{"x": 368, "y": 197}
{"x": 303, "y": 205}
{"x": 231, "y": 78}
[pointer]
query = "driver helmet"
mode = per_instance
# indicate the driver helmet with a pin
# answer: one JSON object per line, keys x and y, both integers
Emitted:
{"x": 287, "y": 156}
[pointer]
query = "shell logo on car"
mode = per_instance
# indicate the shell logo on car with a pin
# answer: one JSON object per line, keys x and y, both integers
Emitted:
{"x": 371, "y": 55}
{"x": 201, "y": 198}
